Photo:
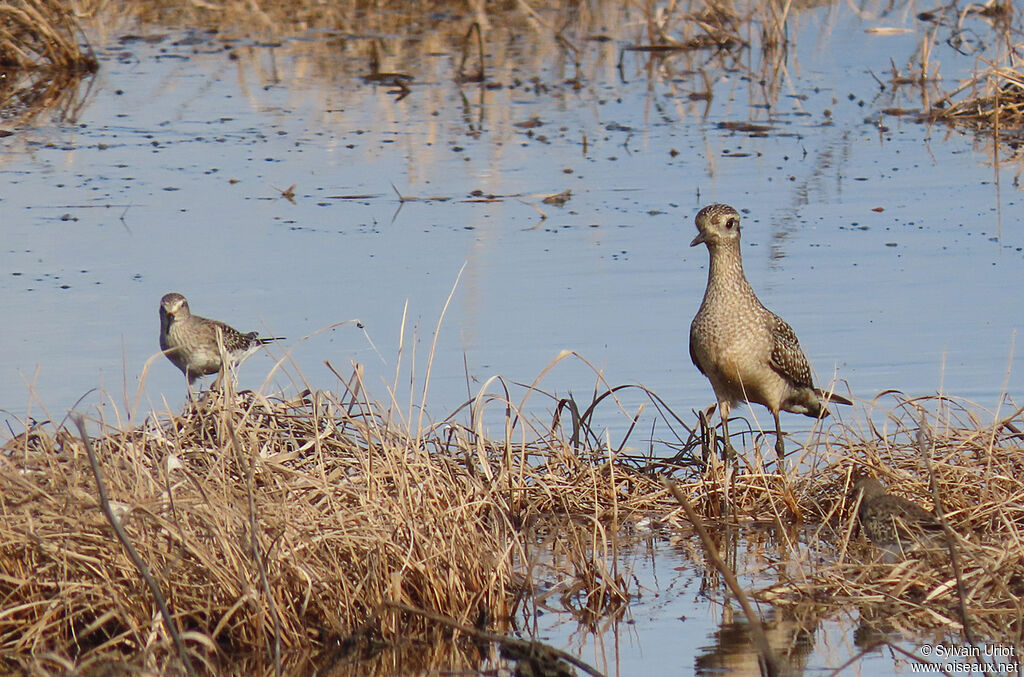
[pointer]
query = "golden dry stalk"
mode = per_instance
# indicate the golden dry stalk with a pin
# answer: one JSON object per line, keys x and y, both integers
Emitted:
{"x": 42, "y": 33}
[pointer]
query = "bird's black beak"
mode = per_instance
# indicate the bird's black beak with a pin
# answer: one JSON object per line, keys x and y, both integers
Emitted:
{"x": 698, "y": 240}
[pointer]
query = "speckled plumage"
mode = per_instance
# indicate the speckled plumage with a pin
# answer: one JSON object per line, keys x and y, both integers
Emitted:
{"x": 747, "y": 352}
{"x": 892, "y": 522}
{"x": 191, "y": 342}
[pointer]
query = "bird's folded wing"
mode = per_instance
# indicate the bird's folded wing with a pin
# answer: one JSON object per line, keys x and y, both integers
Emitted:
{"x": 787, "y": 358}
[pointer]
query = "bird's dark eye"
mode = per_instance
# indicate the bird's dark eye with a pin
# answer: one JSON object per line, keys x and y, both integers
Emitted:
{"x": 730, "y": 224}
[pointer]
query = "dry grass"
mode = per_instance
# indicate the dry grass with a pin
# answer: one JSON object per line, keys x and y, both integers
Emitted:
{"x": 305, "y": 529}
{"x": 275, "y": 526}
{"x": 996, "y": 102}
{"x": 42, "y": 60}
{"x": 325, "y": 527}
{"x": 993, "y": 98}
{"x": 928, "y": 449}
{"x": 42, "y": 33}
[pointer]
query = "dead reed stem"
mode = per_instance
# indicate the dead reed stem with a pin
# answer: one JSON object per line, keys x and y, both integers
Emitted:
{"x": 993, "y": 97}
{"x": 307, "y": 522}
{"x": 769, "y": 664}
{"x": 115, "y": 522}
{"x": 966, "y": 465}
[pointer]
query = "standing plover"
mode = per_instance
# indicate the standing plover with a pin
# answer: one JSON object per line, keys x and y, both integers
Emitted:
{"x": 747, "y": 352}
{"x": 191, "y": 342}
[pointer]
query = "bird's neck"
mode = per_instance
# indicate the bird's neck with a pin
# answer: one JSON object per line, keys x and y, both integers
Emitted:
{"x": 726, "y": 271}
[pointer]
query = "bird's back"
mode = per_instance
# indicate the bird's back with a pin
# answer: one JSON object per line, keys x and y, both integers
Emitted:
{"x": 892, "y": 520}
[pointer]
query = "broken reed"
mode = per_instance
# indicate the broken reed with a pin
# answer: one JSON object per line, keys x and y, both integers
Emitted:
{"x": 992, "y": 99}
{"x": 996, "y": 102}
{"x": 299, "y": 524}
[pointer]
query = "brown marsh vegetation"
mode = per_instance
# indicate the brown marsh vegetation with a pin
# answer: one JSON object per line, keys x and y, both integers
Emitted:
{"x": 322, "y": 528}
{"x": 990, "y": 101}
{"x": 296, "y": 525}
{"x": 42, "y": 34}
{"x": 959, "y": 461}
{"x": 991, "y": 97}
{"x": 43, "y": 58}
{"x": 326, "y": 526}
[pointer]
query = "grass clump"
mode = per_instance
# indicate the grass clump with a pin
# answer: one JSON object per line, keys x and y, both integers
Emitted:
{"x": 295, "y": 527}
{"x": 951, "y": 457}
{"x": 996, "y": 103}
{"x": 992, "y": 98}
{"x": 42, "y": 60}
{"x": 42, "y": 33}
{"x": 325, "y": 531}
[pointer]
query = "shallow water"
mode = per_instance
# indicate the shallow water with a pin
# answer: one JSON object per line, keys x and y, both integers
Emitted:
{"x": 684, "y": 621}
{"x": 170, "y": 178}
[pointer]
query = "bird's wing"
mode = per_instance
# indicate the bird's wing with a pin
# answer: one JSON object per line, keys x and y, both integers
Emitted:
{"x": 234, "y": 340}
{"x": 918, "y": 515}
{"x": 914, "y": 521}
{"x": 693, "y": 356}
{"x": 787, "y": 358}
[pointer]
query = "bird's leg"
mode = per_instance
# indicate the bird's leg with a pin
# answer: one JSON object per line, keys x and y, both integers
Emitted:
{"x": 728, "y": 451}
{"x": 780, "y": 446}
{"x": 191, "y": 394}
{"x": 706, "y": 436}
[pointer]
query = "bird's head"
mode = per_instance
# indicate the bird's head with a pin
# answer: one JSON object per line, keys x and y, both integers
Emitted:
{"x": 717, "y": 225}
{"x": 869, "y": 487}
{"x": 174, "y": 307}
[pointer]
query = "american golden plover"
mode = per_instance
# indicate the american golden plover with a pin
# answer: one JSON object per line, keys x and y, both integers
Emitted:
{"x": 191, "y": 342}
{"x": 747, "y": 352}
{"x": 892, "y": 521}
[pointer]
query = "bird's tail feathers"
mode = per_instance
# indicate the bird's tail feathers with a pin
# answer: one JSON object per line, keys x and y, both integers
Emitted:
{"x": 834, "y": 398}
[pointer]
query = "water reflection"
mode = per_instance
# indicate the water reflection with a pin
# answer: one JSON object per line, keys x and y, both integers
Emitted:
{"x": 791, "y": 637}
{"x": 790, "y": 630}
{"x": 215, "y": 121}
{"x": 28, "y": 94}
{"x": 683, "y": 619}
{"x": 227, "y": 116}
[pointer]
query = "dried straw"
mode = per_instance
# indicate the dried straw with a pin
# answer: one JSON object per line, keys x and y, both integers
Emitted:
{"x": 42, "y": 33}
{"x": 932, "y": 448}
{"x": 300, "y": 524}
{"x": 312, "y": 525}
